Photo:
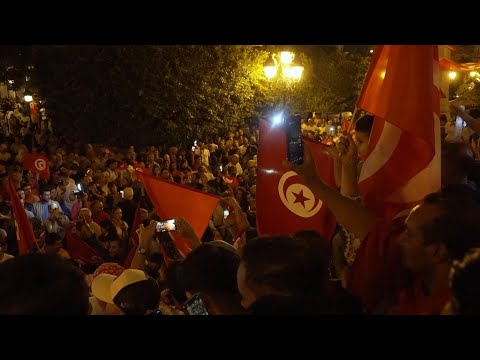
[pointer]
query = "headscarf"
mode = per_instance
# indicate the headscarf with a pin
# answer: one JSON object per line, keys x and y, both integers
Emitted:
{"x": 69, "y": 189}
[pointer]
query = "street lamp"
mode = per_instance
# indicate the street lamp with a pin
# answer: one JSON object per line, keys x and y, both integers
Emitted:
{"x": 290, "y": 73}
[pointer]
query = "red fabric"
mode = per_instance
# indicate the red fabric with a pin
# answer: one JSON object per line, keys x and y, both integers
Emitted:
{"x": 100, "y": 217}
{"x": 230, "y": 181}
{"x": 401, "y": 90}
{"x": 80, "y": 250}
{"x": 37, "y": 163}
{"x": 416, "y": 303}
{"x": 377, "y": 273}
{"x": 447, "y": 64}
{"x": 133, "y": 234}
{"x": 172, "y": 201}
{"x": 142, "y": 169}
{"x": 284, "y": 204}
{"x": 25, "y": 236}
{"x": 346, "y": 124}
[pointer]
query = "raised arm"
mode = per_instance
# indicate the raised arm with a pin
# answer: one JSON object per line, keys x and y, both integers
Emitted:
{"x": 348, "y": 212}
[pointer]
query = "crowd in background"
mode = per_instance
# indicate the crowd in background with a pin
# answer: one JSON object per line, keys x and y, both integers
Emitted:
{"x": 93, "y": 195}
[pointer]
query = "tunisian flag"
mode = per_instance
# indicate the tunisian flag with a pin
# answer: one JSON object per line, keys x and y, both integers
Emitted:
{"x": 284, "y": 204}
{"x": 80, "y": 250}
{"x": 172, "y": 201}
{"x": 403, "y": 158}
{"x": 25, "y": 236}
{"x": 37, "y": 163}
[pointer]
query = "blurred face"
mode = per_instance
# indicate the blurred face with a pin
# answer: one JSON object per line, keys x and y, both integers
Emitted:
{"x": 46, "y": 196}
{"x": 97, "y": 208}
{"x": 150, "y": 157}
{"x": 252, "y": 171}
{"x": 202, "y": 170}
{"x": 184, "y": 165}
{"x": 113, "y": 248}
{"x": 173, "y": 167}
{"x": 21, "y": 194}
{"x": 234, "y": 160}
{"x": 361, "y": 140}
{"x": 232, "y": 171}
{"x": 240, "y": 179}
{"x": 53, "y": 193}
{"x": 240, "y": 132}
{"x": 117, "y": 214}
{"x": 166, "y": 157}
{"x": 156, "y": 170}
{"x": 238, "y": 195}
{"x": 418, "y": 256}
{"x": 166, "y": 174}
{"x": 54, "y": 212}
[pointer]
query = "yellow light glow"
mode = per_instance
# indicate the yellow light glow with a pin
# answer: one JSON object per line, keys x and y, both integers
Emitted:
{"x": 371, "y": 51}
{"x": 286, "y": 57}
{"x": 452, "y": 75}
{"x": 382, "y": 74}
{"x": 270, "y": 71}
{"x": 296, "y": 72}
{"x": 473, "y": 73}
{"x": 28, "y": 98}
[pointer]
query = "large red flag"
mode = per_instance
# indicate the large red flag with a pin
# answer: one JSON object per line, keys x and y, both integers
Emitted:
{"x": 172, "y": 200}
{"x": 37, "y": 163}
{"x": 284, "y": 204}
{"x": 133, "y": 235}
{"x": 80, "y": 250}
{"x": 25, "y": 236}
{"x": 403, "y": 160}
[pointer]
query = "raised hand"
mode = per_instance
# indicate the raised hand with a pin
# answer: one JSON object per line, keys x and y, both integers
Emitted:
{"x": 347, "y": 148}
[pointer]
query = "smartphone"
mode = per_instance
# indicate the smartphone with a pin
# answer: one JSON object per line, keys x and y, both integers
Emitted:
{"x": 168, "y": 225}
{"x": 196, "y": 306}
{"x": 122, "y": 193}
{"x": 79, "y": 187}
{"x": 221, "y": 168}
{"x": 193, "y": 148}
{"x": 294, "y": 139}
{"x": 226, "y": 213}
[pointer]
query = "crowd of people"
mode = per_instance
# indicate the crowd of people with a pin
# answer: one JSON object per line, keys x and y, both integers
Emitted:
{"x": 425, "y": 265}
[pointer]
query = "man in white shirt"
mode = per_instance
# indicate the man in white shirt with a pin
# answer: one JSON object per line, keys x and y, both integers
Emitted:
{"x": 234, "y": 161}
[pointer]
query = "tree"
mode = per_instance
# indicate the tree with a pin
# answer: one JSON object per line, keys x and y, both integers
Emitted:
{"x": 151, "y": 94}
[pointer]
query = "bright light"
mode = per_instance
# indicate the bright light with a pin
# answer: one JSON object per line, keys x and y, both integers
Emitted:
{"x": 277, "y": 119}
{"x": 371, "y": 51}
{"x": 269, "y": 171}
{"x": 270, "y": 71}
{"x": 296, "y": 72}
{"x": 79, "y": 187}
{"x": 286, "y": 57}
{"x": 473, "y": 73}
{"x": 382, "y": 74}
{"x": 452, "y": 75}
{"x": 28, "y": 98}
{"x": 11, "y": 81}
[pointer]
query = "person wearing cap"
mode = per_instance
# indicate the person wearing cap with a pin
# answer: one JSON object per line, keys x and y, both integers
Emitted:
{"x": 133, "y": 292}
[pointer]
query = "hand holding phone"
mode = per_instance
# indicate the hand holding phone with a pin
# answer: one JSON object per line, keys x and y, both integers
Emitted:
{"x": 294, "y": 139}
{"x": 196, "y": 305}
{"x": 168, "y": 225}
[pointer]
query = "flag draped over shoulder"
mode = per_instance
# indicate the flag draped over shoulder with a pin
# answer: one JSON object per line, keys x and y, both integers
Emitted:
{"x": 284, "y": 204}
{"x": 403, "y": 160}
{"x": 25, "y": 236}
{"x": 173, "y": 201}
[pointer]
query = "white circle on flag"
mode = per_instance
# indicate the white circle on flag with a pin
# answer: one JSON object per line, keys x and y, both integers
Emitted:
{"x": 298, "y": 198}
{"x": 40, "y": 164}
